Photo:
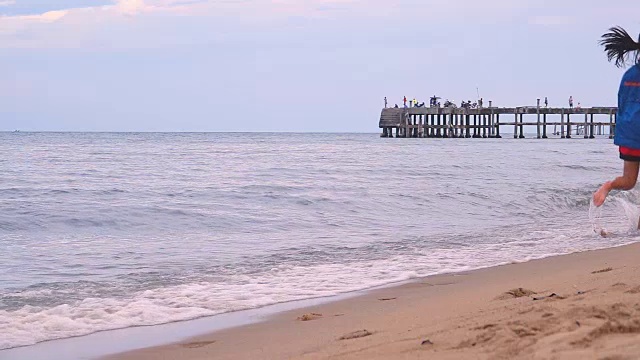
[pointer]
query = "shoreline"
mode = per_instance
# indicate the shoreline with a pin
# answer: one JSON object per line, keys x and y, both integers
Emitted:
{"x": 94, "y": 346}
{"x": 108, "y": 342}
{"x": 436, "y": 308}
{"x": 101, "y": 343}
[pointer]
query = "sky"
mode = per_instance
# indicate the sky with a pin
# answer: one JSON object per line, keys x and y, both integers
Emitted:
{"x": 292, "y": 65}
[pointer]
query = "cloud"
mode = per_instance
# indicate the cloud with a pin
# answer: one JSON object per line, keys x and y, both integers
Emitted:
{"x": 144, "y": 23}
{"x": 49, "y": 16}
{"x": 87, "y": 26}
{"x": 12, "y": 25}
{"x": 131, "y": 7}
{"x": 7, "y": 2}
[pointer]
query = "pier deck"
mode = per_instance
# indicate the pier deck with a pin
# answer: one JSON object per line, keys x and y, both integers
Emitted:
{"x": 486, "y": 122}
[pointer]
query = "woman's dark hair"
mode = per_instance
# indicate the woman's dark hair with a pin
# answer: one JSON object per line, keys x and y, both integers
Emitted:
{"x": 618, "y": 44}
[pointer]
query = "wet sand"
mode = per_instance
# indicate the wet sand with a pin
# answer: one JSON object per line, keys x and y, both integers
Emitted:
{"x": 583, "y": 305}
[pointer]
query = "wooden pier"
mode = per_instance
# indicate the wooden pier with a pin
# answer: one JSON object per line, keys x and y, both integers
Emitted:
{"x": 485, "y": 122}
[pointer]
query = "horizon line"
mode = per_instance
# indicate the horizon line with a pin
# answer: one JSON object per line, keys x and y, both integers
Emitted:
{"x": 180, "y": 132}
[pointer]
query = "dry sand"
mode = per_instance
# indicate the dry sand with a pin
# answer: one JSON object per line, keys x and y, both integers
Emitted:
{"x": 503, "y": 312}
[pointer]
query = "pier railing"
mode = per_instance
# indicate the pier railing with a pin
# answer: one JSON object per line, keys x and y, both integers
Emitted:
{"x": 486, "y": 122}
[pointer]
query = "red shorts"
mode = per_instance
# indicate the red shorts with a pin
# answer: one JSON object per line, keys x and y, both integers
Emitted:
{"x": 629, "y": 154}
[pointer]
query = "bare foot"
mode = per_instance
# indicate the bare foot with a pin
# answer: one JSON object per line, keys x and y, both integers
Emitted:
{"x": 600, "y": 195}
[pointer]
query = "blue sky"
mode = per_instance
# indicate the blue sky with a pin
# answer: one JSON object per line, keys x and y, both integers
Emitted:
{"x": 34, "y": 7}
{"x": 285, "y": 65}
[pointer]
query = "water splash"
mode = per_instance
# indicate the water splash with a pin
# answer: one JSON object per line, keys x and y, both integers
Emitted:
{"x": 624, "y": 215}
{"x": 595, "y": 217}
{"x": 631, "y": 212}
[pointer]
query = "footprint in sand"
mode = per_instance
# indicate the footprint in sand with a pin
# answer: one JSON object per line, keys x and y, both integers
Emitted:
{"x": 197, "y": 344}
{"x": 356, "y": 334}
{"x": 551, "y": 296}
{"x": 516, "y": 293}
{"x": 309, "y": 317}
{"x": 484, "y": 327}
{"x": 628, "y": 289}
{"x": 619, "y": 286}
{"x": 634, "y": 290}
{"x": 602, "y": 270}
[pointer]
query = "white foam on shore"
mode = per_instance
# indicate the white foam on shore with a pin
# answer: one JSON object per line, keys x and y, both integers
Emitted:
{"x": 30, "y": 325}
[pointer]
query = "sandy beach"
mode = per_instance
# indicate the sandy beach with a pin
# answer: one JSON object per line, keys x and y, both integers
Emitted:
{"x": 578, "y": 306}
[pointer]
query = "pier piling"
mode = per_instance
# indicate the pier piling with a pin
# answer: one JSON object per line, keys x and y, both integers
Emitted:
{"x": 538, "y": 120}
{"x": 452, "y": 122}
{"x": 611, "y": 131}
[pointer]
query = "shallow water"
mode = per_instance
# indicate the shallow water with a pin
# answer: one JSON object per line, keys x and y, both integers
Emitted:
{"x": 104, "y": 231}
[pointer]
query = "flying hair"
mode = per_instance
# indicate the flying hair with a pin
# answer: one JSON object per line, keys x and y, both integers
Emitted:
{"x": 618, "y": 44}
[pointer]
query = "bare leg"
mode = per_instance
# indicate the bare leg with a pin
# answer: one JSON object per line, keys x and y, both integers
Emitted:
{"x": 625, "y": 182}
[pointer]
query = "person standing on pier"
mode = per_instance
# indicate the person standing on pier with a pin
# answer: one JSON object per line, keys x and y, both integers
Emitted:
{"x": 546, "y": 102}
{"x": 385, "y": 102}
{"x": 571, "y": 102}
{"x": 404, "y": 100}
{"x": 618, "y": 45}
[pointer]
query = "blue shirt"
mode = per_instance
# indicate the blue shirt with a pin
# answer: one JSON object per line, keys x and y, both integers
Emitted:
{"x": 628, "y": 118}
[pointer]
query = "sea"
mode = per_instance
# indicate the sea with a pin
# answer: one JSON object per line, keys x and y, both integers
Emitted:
{"x": 102, "y": 231}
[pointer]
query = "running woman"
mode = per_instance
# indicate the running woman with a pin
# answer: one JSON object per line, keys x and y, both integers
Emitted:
{"x": 619, "y": 46}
